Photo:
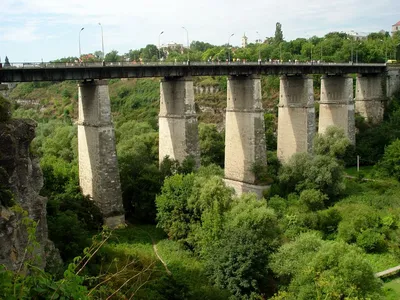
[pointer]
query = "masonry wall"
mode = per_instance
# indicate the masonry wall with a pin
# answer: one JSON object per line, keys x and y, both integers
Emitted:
{"x": 178, "y": 125}
{"x": 296, "y": 116}
{"x": 98, "y": 166}
{"x": 337, "y": 105}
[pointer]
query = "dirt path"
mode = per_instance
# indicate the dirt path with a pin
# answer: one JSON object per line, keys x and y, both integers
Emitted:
{"x": 158, "y": 255}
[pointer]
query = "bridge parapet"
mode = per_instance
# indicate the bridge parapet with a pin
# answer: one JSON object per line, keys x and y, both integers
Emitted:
{"x": 86, "y": 71}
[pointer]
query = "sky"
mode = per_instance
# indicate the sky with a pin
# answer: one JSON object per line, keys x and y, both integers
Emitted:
{"x": 36, "y": 30}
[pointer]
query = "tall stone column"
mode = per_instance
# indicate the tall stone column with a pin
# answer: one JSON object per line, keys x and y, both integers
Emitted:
{"x": 178, "y": 127}
{"x": 370, "y": 99}
{"x": 392, "y": 81}
{"x": 244, "y": 133}
{"x": 296, "y": 116}
{"x": 98, "y": 166}
{"x": 337, "y": 105}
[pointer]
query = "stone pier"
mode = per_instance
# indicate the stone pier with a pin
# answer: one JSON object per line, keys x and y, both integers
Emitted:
{"x": 370, "y": 98}
{"x": 244, "y": 134}
{"x": 98, "y": 167}
{"x": 178, "y": 127}
{"x": 392, "y": 81}
{"x": 337, "y": 105}
{"x": 296, "y": 116}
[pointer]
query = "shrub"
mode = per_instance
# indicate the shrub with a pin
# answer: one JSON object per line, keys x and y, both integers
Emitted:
{"x": 333, "y": 143}
{"x": 319, "y": 172}
{"x": 238, "y": 260}
{"x": 372, "y": 241}
{"x": 313, "y": 199}
{"x": 389, "y": 165}
{"x": 5, "y": 109}
{"x": 317, "y": 269}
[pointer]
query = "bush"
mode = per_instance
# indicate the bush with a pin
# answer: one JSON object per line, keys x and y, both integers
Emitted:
{"x": 5, "y": 109}
{"x": 372, "y": 241}
{"x": 212, "y": 146}
{"x": 389, "y": 165}
{"x": 187, "y": 202}
{"x": 313, "y": 199}
{"x": 332, "y": 143}
{"x": 316, "y": 269}
{"x": 238, "y": 260}
{"x": 319, "y": 172}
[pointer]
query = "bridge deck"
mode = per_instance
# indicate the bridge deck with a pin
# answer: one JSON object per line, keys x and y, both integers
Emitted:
{"x": 27, "y": 72}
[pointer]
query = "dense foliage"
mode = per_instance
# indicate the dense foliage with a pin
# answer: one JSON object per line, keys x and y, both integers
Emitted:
{"x": 318, "y": 235}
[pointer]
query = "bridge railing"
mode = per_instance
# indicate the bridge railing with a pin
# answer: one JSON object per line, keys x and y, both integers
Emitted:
{"x": 35, "y": 65}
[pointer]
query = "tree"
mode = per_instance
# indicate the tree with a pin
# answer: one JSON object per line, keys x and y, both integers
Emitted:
{"x": 112, "y": 56}
{"x": 304, "y": 171}
{"x": 212, "y": 146}
{"x": 317, "y": 269}
{"x": 278, "y": 33}
{"x": 238, "y": 259}
{"x": 389, "y": 165}
{"x": 333, "y": 143}
{"x": 188, "y": 201}
{"x": 5, "y": 109}
{"x": 6, "y": 62}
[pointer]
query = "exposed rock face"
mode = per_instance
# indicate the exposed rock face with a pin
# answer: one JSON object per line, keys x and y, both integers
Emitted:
{"x": 21, "y": 174}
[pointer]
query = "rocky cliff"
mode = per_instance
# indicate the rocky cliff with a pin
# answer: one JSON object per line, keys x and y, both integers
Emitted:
{"x": 20, "y": 182}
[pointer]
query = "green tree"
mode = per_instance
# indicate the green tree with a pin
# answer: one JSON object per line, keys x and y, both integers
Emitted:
{"x": 212, "y": 146}
{"x": 112, "y": 56}
{"x": 333, "y": 143}
{"x": 238, "y": 260}
{"x": 304, "y": 171}
{"x": 317, "y": 269}
{"x": 389, "y": 165}
{"x": 5, "y": 109}
{"x": 6, "y": 62}
{"x": 278, "y": 33}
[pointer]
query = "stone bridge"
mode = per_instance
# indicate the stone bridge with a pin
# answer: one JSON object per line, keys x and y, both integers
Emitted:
{"x": 244, "y": 127}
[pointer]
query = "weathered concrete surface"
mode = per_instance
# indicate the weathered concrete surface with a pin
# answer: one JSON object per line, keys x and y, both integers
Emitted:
{"x": 98, "y": 166}
{"x": 178, "y": 126}
{"x": 244, "y": 129}
{"x": 337, "y": 105}
{"x": 296, "y": 116}
{"x": 392, "y": 81}
{"x": 370, "y": 99}
{"x": 21, "y": 174}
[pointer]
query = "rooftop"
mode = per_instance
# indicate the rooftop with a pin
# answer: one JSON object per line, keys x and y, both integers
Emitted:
{"x": 397, "y": 24}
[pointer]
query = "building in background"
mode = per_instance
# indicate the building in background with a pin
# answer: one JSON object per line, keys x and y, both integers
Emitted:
{"x": 244, "y": 40}
{"x": 395, "y": 27}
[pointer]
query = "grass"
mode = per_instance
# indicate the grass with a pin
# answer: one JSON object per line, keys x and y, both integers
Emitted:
{"x": 366, "y": 171}
{"x": 135, "y": 244}
{"x": 382, "y": 261}
{"x": 392, "y": 289}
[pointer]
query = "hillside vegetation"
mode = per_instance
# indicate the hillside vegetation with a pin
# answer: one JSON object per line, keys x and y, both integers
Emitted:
{"x": 318, "y": 234}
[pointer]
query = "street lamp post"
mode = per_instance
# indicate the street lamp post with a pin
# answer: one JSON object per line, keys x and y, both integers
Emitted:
{"x": 102, "y": 41}
{"x": 259, "y": 47}
{"x": 229, "y": 53}
{"x": 80, "y": 53}
{"x": 159, "y": 46}
{"x": 187, "y": 41}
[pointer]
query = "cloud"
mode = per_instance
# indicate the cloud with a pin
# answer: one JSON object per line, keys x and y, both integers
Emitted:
{"x": 131, "y": 24}
{"x": 25, "y": 33}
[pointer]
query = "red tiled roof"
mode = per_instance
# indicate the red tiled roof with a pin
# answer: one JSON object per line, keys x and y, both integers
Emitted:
{"x": 397, "y": 24}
